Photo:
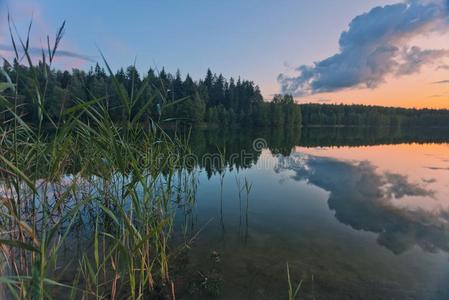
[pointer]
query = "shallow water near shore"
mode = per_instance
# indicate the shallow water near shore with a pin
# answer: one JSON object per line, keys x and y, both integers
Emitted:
{"x": 365, "y": 220}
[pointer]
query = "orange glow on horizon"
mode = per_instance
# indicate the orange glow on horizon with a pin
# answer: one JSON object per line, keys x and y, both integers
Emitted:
{"x": 411, "y": 91}
{"x": 414, "y": 91}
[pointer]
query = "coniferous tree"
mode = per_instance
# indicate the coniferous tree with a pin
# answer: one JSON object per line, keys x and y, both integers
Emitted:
{"x": 214, "y": 100}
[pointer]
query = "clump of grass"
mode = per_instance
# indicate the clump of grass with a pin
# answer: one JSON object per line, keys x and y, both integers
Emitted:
{"x": 117, "y": 185}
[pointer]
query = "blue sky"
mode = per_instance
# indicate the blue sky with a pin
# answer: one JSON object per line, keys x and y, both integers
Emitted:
{"x": 256, "y": 40}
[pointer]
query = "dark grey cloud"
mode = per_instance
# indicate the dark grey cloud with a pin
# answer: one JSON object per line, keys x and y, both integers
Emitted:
{"x": 430, "y": 180}
{"x": 438, "y": 168}
{"x": 375, "y": 45}
{"x": 415, "y": 58}
{"x": 443, "y": 67}
{"x": 60, "y": 53}
{"x": 441, "y": 82}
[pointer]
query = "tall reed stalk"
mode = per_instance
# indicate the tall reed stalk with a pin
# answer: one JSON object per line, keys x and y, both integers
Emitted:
{"x": 116, "y": 185}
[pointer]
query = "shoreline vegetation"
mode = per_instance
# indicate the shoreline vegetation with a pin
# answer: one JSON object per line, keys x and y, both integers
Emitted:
{"x": 74, "y": 178}
{"x": 85, "y": 161}
{"x": 172, "y": 100}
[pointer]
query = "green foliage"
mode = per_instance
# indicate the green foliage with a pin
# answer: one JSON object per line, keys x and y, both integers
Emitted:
{"x": 75, "y": 159}
{"x": 292, "y": 293}
{"x": 167, "y": 97}
{"x": 371, "y": 116}
{"x": 214, "y": 100}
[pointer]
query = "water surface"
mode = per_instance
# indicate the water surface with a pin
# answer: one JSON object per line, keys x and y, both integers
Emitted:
{"x": 357, "y": 214}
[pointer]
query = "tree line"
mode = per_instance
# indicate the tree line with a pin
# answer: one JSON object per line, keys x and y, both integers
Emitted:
{"x": 366, "y": 115}
{"x": 212, "y": 100}
{"x": 164, "y": 97}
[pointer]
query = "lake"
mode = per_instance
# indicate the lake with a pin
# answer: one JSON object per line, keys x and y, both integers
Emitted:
{"x": 356, "y": 214}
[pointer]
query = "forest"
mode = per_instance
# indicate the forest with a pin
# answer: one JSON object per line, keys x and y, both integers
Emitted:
{"x": 212, "y": 101}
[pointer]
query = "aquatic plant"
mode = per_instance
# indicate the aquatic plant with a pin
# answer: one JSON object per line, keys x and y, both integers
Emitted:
{"x": 292, "y": 293}
{"x": 106, "y": 191}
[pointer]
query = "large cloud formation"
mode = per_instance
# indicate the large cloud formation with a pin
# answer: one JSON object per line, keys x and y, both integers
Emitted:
{"x": 375, "y": 45}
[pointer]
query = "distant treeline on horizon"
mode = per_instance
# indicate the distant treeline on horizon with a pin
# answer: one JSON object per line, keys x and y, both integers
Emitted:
{"x": 213, "y": 100}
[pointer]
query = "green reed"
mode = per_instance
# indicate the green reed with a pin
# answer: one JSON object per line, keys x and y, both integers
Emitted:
{"x": 292, "y": 292}
{"x": 118, "y": 185}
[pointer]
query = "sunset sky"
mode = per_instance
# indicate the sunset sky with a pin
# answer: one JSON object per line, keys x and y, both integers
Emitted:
{"x": 381, "y": 52}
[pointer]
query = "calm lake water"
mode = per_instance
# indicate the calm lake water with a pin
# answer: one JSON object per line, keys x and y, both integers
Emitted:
{"x": 356, "y": 213}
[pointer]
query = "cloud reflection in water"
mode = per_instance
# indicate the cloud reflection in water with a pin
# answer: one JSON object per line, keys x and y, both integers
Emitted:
{"x": 365, "y": 200}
